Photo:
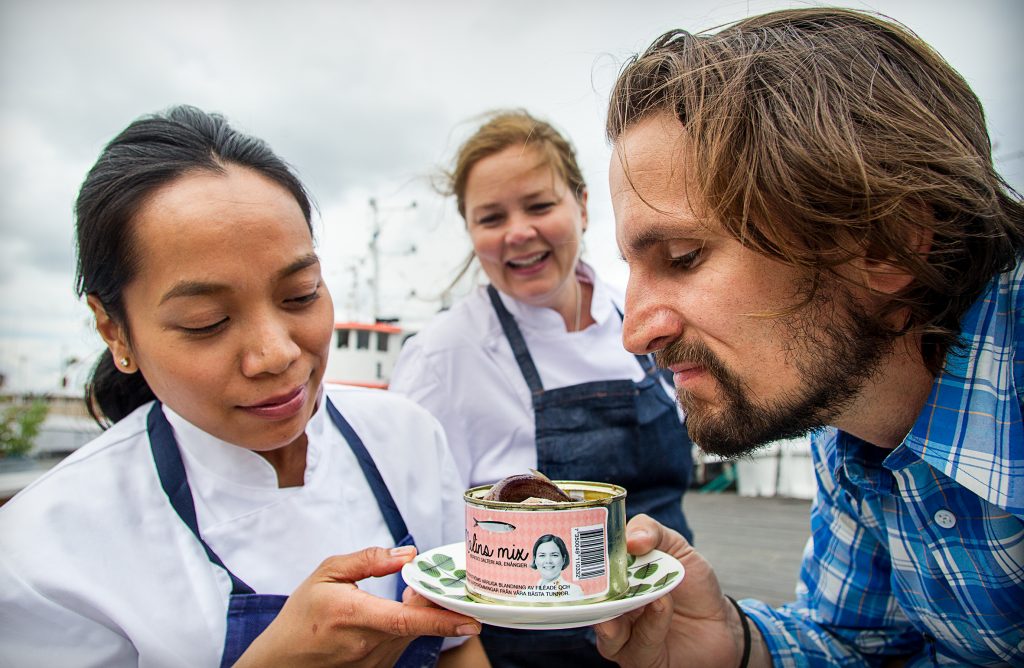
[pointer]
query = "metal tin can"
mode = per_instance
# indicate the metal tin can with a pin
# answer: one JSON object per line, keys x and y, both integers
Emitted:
{"x": 551, "y": 554}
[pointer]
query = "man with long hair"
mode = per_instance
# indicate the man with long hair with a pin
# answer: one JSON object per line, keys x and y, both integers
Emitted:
{"x": 818, "y": 242}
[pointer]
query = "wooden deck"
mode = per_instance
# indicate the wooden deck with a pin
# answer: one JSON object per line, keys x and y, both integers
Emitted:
{"x": 753, "y": 543}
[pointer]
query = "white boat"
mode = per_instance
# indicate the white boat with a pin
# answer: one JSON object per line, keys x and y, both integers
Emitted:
{"x": 364, "y": 353}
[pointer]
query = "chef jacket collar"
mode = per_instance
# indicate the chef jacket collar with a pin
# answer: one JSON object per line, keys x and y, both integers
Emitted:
{"x": 236, "y": 466}
{"x": 543, "y": 319}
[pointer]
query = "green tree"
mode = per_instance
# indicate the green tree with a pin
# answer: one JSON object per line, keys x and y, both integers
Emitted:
{"x": 20, "y": 426}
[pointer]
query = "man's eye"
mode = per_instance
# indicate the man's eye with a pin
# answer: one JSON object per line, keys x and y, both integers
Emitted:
{"x": 685, "y": 261}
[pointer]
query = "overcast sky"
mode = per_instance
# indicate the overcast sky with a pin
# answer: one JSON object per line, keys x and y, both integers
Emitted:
{"x": 364, "y": 99}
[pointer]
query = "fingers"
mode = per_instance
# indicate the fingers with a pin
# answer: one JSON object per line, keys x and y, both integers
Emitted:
{"x": 651, "y": 629}
{"x": 612, "y": 636}
{"x": 419, "y": 617}
{"x": 410, "y": 597}
{"x": 617, "y": 631}
{"x": 640, "y": 637}
{"x": 370, "y": 562}
{"x": 413, "y": 618}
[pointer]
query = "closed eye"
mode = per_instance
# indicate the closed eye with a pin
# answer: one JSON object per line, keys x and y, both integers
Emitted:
{"x": 491, "y": 219}
{"x": 687, "y": 260}
{"x": 205, "y": 331}
{"x": 305, "y": 299}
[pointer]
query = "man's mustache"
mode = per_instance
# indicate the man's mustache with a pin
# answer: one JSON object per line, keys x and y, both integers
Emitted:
{"x": 691, "y": 352}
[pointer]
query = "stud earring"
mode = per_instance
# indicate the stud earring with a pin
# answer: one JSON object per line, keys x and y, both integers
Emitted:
{"x": 124, "y": 361}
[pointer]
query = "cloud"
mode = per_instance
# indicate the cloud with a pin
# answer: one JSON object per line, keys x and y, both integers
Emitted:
{"x": 365, "y": 100}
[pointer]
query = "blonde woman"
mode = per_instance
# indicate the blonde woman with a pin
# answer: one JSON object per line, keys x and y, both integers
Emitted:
{"x": 528, "y": 371}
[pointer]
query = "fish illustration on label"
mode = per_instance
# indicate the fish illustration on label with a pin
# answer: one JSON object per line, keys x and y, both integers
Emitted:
{"x": 494, "y": 527}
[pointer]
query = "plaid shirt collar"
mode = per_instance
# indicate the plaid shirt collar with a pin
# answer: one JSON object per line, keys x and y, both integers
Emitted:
{"x": 971, "y": 427}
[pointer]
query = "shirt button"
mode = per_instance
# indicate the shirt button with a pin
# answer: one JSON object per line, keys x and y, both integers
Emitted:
{"x": 945, "y": 518}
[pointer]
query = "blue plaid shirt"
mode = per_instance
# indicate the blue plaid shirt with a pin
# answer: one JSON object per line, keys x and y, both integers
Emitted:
{"x": 919, "y": 551}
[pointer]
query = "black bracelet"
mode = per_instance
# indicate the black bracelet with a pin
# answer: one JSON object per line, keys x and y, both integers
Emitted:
{"x": 746, "y": 632}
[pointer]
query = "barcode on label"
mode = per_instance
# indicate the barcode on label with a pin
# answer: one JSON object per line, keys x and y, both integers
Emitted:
{"x": 588, "y": 547}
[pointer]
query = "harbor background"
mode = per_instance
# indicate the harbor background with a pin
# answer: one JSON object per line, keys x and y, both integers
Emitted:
{"x": 367, "y": 102}
{"x": 754, "y": 543}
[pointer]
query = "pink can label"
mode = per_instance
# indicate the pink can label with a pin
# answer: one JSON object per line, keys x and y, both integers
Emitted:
{"x": 537, "y": 556}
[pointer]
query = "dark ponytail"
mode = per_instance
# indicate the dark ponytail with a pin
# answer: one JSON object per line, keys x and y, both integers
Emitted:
{"x": 150, "y": 153}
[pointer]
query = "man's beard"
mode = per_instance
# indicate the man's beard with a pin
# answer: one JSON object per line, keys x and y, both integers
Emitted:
{"x": 834, "y": 353}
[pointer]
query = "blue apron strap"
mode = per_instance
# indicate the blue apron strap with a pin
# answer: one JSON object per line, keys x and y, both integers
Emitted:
{"x": 651, "y": 369}
{"x": 248, "y": 617}
{"x": 388, "y": 507}
{"x": 518, "y": 343}
{"x": 249, "y": 614}
{"x": 171, "y": 471}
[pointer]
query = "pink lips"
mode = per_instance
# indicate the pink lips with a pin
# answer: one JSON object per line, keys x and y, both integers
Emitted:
{"x": 682, "y": 374}
{"x": 280, "y": 407}
{"x": 530, "y": 269}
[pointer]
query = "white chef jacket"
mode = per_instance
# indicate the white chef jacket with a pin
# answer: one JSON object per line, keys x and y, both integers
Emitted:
{"x": 460, "y": 367}
{"x": 96, "y": 569}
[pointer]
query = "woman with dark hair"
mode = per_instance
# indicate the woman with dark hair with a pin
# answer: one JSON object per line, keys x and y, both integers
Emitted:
{"x": 550, "y": 558}
{"x": 228, "y": 471}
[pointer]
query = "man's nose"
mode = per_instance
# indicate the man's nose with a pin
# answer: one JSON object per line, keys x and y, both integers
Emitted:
{"x": 651, "y": 322}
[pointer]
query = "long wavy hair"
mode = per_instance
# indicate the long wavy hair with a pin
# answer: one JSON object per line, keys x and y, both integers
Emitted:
{"x": 820, "y": 135}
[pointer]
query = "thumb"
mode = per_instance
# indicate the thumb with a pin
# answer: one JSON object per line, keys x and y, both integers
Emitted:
{"x": 368, "y": 562}
{"x": 644, "y": 534}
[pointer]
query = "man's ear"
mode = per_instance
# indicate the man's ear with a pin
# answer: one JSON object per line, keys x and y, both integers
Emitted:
{"x": 882, "y": 273}
{"x": 113, "y": 334}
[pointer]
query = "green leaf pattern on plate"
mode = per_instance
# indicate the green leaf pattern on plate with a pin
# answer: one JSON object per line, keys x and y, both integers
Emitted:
{"x": 430, "y": 587}
{"x": 636, "y": 589}
{"x": 444, "y": 562}
{"x": 451, "y": 582}
{"x": 429, "y": 569}
{"x": 448, "y": 580}
{"x": 637, "y": 575}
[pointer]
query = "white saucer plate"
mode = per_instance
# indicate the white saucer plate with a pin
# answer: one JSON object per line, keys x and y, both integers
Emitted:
{"x": 440, "y": 576}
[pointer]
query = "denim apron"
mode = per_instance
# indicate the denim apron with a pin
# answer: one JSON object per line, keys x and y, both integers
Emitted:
{"x": 616, "y": 431}
{"x": 249, "y": 613}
